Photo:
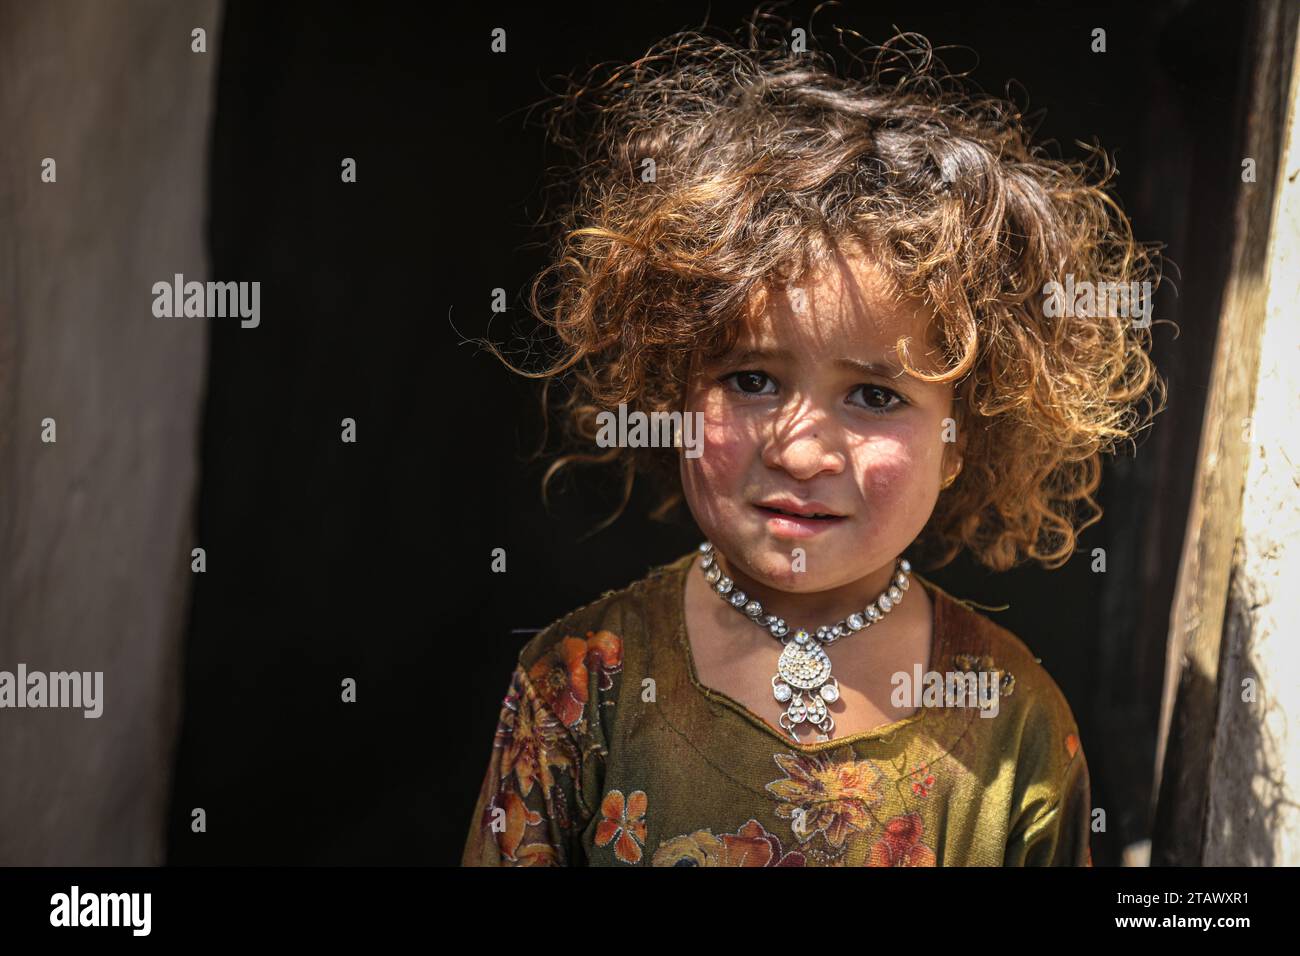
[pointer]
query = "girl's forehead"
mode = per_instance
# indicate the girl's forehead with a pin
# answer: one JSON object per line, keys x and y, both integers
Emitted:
{"x": 850, "y": 302}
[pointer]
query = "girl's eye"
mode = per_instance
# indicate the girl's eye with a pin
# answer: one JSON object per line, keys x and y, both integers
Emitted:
{"x": 876, "y": 398}
{"x": 878, "y": 393}
{"x": 748, "y": 382}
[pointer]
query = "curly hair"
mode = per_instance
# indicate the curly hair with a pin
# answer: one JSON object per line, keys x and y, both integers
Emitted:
{"x": 708, "y": 170}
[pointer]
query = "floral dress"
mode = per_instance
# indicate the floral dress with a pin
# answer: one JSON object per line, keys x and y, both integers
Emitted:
{"x": 610, "y": 752}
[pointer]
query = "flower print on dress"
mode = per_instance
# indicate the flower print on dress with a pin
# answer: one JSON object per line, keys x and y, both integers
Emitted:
{"x": 751, "y": 845}
{"x": 825, "y": 796}
{"x": 532, "y": 742}
{"x": 623, "y": 822}
{"x": 518, "y": 818}
{"x": 532, "y": 748}
{"x": 605, "y": 656}
{"x": 901, "y": 845}
{"x": 561, "y": 675}
{"x": 1005, "y": 680}
{"x": 922, "y": 781}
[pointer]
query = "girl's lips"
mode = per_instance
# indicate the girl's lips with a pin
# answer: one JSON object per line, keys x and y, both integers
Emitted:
{"x": 794, "y": 526}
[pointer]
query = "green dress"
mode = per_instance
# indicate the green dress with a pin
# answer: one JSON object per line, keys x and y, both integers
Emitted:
{"x": 610, "y": 752}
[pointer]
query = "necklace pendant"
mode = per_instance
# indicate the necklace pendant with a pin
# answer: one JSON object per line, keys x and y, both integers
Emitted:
{"x": 804, "y": 668}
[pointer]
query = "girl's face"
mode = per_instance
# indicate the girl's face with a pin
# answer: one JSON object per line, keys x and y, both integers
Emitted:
{"x": 811, "y": 412}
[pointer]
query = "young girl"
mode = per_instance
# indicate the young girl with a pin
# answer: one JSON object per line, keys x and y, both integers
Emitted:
{"x": 848, "y": 283}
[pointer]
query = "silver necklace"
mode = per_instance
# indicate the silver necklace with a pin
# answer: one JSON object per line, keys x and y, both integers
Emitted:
{"x": 804, "y": 664}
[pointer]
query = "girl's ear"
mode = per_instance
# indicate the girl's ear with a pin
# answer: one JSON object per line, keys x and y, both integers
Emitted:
{"x": 954, "y": 454}
{"x": 952, "y": 476}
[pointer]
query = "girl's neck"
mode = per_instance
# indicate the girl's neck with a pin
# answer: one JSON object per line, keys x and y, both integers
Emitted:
{"x": 812, "y": 609}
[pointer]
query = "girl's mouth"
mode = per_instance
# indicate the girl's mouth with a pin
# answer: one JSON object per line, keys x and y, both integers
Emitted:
{"x": 786, "y": 524}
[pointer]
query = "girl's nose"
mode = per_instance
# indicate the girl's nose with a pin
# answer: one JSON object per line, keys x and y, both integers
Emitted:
{"x": 804, "y": 449}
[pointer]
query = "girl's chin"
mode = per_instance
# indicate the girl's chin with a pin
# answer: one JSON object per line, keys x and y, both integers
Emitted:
{"x": 778, "y": 568}
{"x": 774, "y": 564}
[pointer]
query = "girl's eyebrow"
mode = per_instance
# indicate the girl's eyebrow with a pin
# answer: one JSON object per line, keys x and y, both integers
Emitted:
{"x": 884, "y": 367}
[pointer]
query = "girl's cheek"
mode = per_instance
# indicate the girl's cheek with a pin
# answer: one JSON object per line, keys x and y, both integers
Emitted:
{"x": 729, "y": 446}
{"x": 890, "y": 473}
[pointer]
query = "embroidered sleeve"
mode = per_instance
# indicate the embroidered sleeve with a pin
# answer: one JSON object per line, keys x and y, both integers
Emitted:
{"x": 1057, "y": 835}
{"x": 528, "y": 811}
